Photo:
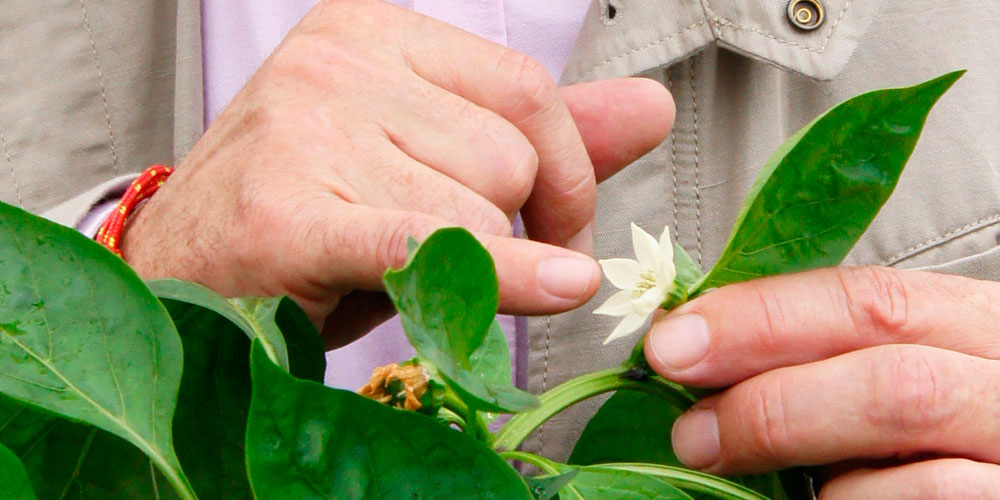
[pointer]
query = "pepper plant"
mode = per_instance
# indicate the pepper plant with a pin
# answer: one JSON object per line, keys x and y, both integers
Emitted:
{"x": 114, "y": 388}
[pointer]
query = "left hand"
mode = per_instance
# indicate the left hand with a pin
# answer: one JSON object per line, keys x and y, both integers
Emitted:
{"x": 891, "y": 375}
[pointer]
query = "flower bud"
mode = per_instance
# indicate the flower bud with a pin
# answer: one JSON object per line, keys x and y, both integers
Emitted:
{"x": 399, "y": 386}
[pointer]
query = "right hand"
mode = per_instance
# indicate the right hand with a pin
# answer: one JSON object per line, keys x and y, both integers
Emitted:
{"x": 370, "y": 124}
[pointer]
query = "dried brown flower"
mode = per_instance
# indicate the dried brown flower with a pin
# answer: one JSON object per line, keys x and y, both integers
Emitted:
{"x": 397, "y": 386}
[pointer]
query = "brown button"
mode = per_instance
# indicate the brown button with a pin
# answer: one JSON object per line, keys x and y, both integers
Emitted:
{"x": 805, "y": 14}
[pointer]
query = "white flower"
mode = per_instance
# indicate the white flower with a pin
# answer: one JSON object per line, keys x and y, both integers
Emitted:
{"x": 645, "y": 283}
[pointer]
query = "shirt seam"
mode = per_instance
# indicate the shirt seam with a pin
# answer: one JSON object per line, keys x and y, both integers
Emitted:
{"x": 10, "y": 168}
{"x": 722, "y": 22}
{"x": 942, "y": 239}
{"x": 633, "y": 50}
{"x": 104, "y": 94}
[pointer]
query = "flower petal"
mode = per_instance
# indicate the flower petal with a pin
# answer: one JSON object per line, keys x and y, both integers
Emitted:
{"x": 666, "y": 246}
{"x": 646, "y": 249}
{"x": 622, "y": 273}
{"x": 619, "y": 304}
{"x": 629, "y": 325}
{"x": 649, "y": 301}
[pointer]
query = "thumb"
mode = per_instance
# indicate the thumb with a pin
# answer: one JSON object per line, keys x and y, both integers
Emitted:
{"x": 620, "y": 120}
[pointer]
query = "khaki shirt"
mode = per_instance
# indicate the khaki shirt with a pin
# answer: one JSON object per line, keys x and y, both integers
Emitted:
{"x": 89, "y": 93}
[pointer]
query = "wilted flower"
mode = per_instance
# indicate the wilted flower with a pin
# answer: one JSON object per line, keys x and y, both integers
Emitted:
{"x": 645, "y": 282}
{"x": 397, "y": 386}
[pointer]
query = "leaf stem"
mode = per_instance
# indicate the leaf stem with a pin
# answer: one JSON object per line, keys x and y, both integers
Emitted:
{"x": 474, "y": 425}
{"x": 545, "y": 465}
{"x": 584, "y": 387}
{"x": 689, "y": 480}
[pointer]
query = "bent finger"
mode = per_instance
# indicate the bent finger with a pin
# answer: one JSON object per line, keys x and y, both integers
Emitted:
{"x": 941, "y": 479}
{"x": 887, "y": 401}
{"x": 740, "y": 330}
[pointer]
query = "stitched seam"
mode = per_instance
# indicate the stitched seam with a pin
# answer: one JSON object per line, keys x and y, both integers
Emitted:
{"x": 950, "y": 235}
{"x": 725, "y": 23}
{"x": 100, "y": 80}
{"x": 673, "y": 159}
{"x": 640, "y": 49}
{"x": 545, "y": 377}
{"x": 10, "y": 168}
{"x": 697, "y": 163}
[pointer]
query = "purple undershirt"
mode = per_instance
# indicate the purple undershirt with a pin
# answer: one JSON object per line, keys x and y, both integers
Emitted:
{"x": 238, "y": 36}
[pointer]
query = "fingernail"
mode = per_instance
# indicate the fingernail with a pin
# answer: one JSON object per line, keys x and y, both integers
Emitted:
{"x": 583, "y": 241}
{"x": 681, "y": 342}
{"x": 566, "y": 277}
{"x": 695, "y": 438}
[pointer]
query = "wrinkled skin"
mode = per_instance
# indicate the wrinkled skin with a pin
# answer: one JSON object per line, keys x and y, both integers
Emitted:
{"x": 371, "y": 124}
{"x": 887, "y": 377}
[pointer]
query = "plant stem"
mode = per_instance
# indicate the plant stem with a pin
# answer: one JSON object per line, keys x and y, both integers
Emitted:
{"x": 583, "y": 387}
{"x": 545, "y": 465}
{"x": 474, "y": 425}
{"x": 689, "y": 480}
{"x": 175, "y": 476}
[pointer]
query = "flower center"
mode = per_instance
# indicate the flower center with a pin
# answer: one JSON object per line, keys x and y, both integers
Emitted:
{"x": 647, "y": 281}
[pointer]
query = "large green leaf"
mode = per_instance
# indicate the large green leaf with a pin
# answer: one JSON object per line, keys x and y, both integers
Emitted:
{"x": 82, "y": 336}
{"x": 72, "y": 460}
{"x": 282, "y": 326}
{"x": 306, "y": 441}
{"x": 214, "y": 401}
{"x": 819, "y": 192}
{"x": 599, "y": 483}
{"x": 14, "y": 484}
{"x": 67, "y": 459}
{"x": 447, "y": 296}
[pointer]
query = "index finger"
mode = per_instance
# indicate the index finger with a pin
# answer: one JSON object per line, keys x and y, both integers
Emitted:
{"x": 745, "y": 329}
{"x": 519, "y": 89}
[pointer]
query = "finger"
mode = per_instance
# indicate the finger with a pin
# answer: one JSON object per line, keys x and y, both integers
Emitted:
{"x": 472, "y": 145}
{"x": 740, "y": 330}
{"x": 519, "y": 89}
{"x": 942, "y": 479}
{"x": 396, "y": 181}
{"x": 534, "y": 278}
{"x": 619, "y": 120}
{"x": 880, "y": 402}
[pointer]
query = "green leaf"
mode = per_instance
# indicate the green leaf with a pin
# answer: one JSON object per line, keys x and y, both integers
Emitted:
{"x": 67, "y": 459}
{"x": 819, "y": 191}
{"x": 71, "y": 460}
{"x": 82, "y": 336}
{"x": 272, "y": 320}
{"x": 447, "y": 296}
{"x": 599, "y": 483}
{"x": 698, "y": 484}
{"x": 214, "y": 401}
{"x": 547, "y": 487}
{"x": 14, "y": 484}
{"x": 610, "y": 436}
{"x": 306, "y": 441}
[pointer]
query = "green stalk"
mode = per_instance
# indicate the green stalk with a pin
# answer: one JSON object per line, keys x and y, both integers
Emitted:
{"x": 474, "y": 424}
{"x": 545, "y": 465}
{"x": 692, "y": 481}
{"x": 584, "y": 387}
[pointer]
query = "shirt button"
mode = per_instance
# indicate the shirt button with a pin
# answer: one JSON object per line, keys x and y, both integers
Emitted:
{"x": 805, "y": 14}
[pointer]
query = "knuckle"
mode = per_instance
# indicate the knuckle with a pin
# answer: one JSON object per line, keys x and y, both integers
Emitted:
{"x": 519, "y": 170}
{"x": 911, "y": 392}
{"x": 877, "y": 300}
{"x": 392, "y": 242}
{"x": 534, "y": 89}
{"x": 768, "y": 418}
{"x": 491, "y": 220}
{"x": 770, "y": 334}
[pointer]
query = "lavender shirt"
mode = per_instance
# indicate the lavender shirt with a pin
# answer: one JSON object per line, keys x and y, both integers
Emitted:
{"x": 238, "y": 36}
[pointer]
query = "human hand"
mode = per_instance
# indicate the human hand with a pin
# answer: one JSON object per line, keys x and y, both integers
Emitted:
{"x": 892, "y": 376}
{"x": 370, "y": 124}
